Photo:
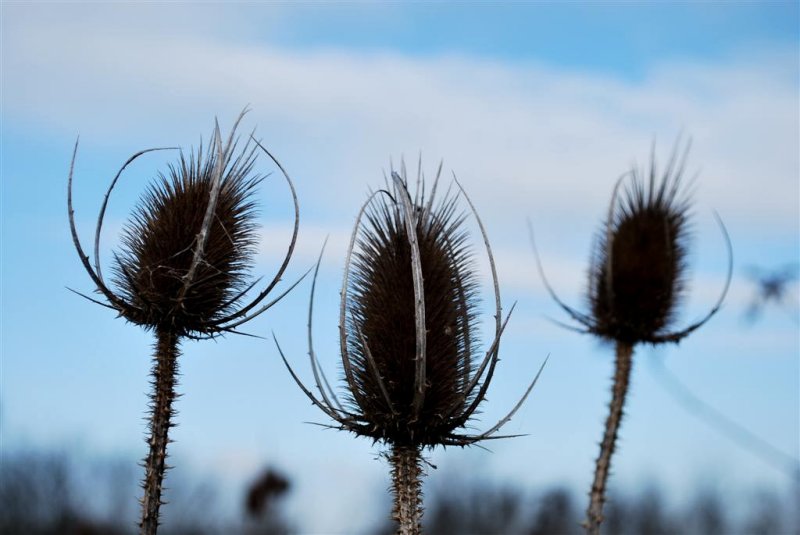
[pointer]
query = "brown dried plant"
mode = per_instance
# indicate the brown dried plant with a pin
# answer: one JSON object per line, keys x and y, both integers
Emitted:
{"x": 636, "y": 280}
{"x": 183, "y": 269}
{"x": 407, "y": 325}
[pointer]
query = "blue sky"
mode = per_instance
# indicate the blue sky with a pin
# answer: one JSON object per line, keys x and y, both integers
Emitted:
{"x": 538, "y": 108}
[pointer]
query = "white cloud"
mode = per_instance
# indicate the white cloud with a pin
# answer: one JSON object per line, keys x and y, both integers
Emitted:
{"x": 524, "y": 138}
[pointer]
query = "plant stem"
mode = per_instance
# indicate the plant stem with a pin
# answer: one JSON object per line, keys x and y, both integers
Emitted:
{"x": 597, "y": 496}
{"x": 165, "y": 371}
{"x": 407, "y": 487}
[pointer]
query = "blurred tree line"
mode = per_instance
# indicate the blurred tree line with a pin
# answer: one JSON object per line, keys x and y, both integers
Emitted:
{"x": 645, "y": 511}
{"x": 44, "y": 493}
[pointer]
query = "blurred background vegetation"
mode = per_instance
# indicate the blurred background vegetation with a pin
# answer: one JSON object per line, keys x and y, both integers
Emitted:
{"x": 57, "y": 492}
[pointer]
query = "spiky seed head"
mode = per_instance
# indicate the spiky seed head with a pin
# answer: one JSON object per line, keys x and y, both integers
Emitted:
{"x": 638, "y": 267}
{"x": 152, "y": 271}
{"x": 382, "y": 312}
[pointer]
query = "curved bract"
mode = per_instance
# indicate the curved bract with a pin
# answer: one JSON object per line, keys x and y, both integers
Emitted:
{"x": 408, "y": 324}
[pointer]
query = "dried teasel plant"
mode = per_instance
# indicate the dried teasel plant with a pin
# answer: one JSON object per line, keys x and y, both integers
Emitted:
{"x": 407, "y": 328}
{"x": 183, "y": 269}
{"x": 636, "y": 281}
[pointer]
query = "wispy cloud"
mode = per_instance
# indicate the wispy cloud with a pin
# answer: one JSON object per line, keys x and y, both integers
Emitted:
{"x": 525, "y": 138}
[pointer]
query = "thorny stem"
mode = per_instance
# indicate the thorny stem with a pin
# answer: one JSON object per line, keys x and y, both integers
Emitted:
{"x": 165, "y": 370}
{"x": 597, "y": 496}
{"x": 407, "y": 487}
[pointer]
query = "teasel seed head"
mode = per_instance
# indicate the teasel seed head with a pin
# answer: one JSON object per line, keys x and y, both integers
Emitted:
{"x": 408, "y": 323}
{"x": 638, "y": 269}
{"x": 153, "y": 270}
{"x": 382, "y": 319}
{"x": 187, "y": 250}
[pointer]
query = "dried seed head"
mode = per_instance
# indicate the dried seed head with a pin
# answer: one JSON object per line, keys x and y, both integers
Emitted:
{"x": 158, "y": 271}
{"x": 638, "y": 269}
{"x": 187, "y": 250}
{"x": 407, "y": 324}
{"x": 383, "y": 316}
